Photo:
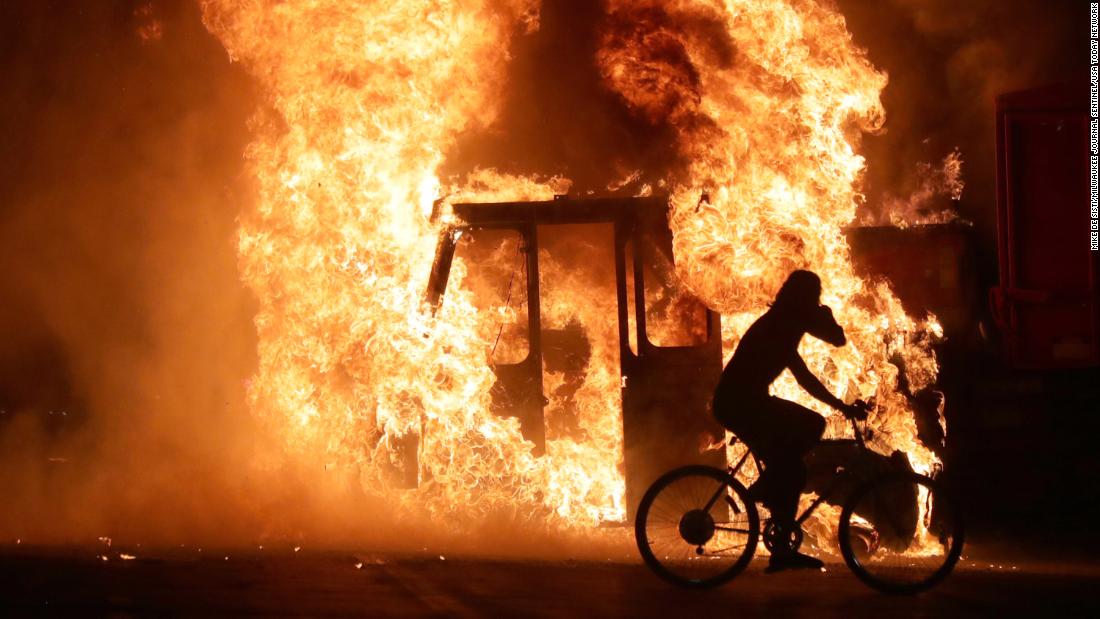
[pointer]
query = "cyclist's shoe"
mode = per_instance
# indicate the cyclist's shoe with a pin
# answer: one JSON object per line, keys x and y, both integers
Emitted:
{"x": 793, "y": 561}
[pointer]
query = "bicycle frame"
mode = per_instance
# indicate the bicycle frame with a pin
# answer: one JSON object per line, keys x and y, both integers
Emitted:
{"x": 833, "y": 483}
{"x": 860, "y": 540}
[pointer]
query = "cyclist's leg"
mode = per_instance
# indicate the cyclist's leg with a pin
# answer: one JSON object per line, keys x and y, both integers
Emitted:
{"x": 802, "y": 428}
{"x": 786, "y": 479}
{"x": 780, "y": 433}
{"x": 747, "y": 416}
{"x": 764, "y": 438}
{"x": 794, "y": 431}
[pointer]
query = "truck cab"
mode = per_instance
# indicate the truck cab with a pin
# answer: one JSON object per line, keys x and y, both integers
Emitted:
{"x": 669, "y": 344}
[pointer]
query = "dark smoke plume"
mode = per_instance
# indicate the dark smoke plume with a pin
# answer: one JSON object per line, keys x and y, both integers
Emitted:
{"x": 947, "y": 62}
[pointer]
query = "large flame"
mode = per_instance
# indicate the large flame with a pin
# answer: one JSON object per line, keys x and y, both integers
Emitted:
{"x": 767, "y": 98}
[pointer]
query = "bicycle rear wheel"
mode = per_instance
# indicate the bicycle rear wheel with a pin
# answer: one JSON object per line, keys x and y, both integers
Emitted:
{"x": 695, "y": 527}
{"x": 901, "y": 533}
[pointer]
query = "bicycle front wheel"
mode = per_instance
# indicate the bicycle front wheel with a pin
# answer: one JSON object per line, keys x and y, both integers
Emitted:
{"x": 901, "y": 533}
{"x": 695, "y": 527}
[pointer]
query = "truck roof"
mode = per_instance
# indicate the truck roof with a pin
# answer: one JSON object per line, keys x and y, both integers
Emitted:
{"x": 563, "y": 210}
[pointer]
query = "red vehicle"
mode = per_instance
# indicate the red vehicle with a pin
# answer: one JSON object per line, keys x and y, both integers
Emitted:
{"x": 1046, "y": 303}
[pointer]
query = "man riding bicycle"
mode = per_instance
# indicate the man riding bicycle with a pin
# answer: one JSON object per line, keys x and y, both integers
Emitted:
{"x": 780, "y": 432}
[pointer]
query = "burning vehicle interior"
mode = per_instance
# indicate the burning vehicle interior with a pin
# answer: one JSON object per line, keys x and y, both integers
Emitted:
{"x": 645, "y": 334}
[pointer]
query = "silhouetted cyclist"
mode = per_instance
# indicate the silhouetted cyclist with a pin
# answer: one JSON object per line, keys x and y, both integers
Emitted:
{"x": 779, "y": 432}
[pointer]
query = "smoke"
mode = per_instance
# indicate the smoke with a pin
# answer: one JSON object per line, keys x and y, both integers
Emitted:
{"x": 125, "y": 332}
{"x": 127, "y": 337}
{"x": 558, "y": 117}
{"x": 947, "y": 62}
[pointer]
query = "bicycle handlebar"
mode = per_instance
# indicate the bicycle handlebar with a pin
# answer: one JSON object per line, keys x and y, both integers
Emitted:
{"x": 867, "y": 407}
{"x": 856, "y": 432}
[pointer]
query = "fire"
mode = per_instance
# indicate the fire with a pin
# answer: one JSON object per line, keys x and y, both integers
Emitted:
{"x": 767, "y": 98}
{"x": 936, "y": 184}
{"x": 150, "y": 29}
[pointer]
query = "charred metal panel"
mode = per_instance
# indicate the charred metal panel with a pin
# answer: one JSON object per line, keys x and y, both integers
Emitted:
{"x": 931, "y": 268}
{"x": 441, "y": 269}
{"x": 666, "y": 389}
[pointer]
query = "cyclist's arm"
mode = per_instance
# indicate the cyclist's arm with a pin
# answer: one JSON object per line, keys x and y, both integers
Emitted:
{"x": 812, "y": 385}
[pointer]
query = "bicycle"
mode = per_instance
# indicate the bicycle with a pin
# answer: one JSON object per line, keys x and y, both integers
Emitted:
{"x": 899, "y": 532}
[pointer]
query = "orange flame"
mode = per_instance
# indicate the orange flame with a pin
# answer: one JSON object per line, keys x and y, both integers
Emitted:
{"x": 768, "y": 98}
{"x": 925, "y": 205}
{"x": 769, "y": 118}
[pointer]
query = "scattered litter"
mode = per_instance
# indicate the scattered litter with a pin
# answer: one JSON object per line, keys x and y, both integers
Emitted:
{"x": 126, "y": 557}
{"x": 442, "y": 558}
{"x": 358, "y": 565}
{"x": 105, "y": 540}
{"x": 297, "y": 548}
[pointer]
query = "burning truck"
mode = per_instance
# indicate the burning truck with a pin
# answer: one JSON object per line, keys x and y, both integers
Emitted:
{"x": 578, "y": 319}
{"x": 666, "y": 342}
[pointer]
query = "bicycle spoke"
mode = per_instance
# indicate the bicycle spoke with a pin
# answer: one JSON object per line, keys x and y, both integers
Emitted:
{"x": 731, "y": 529}
{"x": 727, "y": 548}
{"x": 725, "y": 538}
{"x": 884, "y": 540}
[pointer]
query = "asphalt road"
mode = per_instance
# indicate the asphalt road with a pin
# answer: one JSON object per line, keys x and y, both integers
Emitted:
{"x": 79, "y": 582}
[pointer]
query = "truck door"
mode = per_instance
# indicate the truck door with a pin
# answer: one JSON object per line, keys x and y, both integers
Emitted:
{"x": 671, "y": 351}
{"x": 499, "y": 266}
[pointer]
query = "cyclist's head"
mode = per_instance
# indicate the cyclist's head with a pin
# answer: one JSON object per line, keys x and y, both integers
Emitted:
{"x": 801, "y": 293}
{"x": 799, "y": 302}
